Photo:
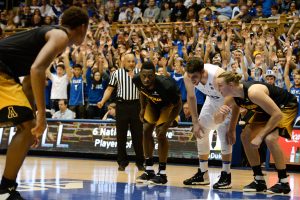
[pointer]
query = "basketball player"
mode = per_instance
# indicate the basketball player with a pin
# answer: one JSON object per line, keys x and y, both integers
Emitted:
{"x": 274, "y": 112}
{"x": 28, "y": 54}
{"x": 160, "y": 105}
{"x": 203, "y": 77}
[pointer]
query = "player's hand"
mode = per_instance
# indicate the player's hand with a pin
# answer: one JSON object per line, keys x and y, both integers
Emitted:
{"x": 197, "y": 130}
{"x": 100, "y": 104}
{"x": 224, "y": 110}
{"x": 231, "y": 137}
{"x": 39, "y": 129}
{"x": 142, "y": 113}
{"x": 256, "y": 142}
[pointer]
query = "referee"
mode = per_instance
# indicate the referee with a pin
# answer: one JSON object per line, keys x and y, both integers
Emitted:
{"x": 127, "y": 112}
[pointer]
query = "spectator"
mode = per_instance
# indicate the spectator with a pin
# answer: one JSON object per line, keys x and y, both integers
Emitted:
{"x": 270, "y": 77}
{"x": 97, "y": 82}
{"x": 36, "y": 20}
{"x": 48, "y": 20}
{"x": 57, "y": 10}
{"x": 209, "y": 16}
{"x": 208, "y": 4}
{"x": 60, "y": 82}
{"x": 151, "y": 14}
{"x": 185, "y": 116}
{"x": 76, "y": 95}
{"x": 165, "y": 13}
{"x": 224, "y": 12}
{"x": 111, "y": 113}
{"x": 252, "y": 8}
{"x": 64, "y": 112}
{"x": 274, "y": 12}
{"x": 179, "y": 12}
{"x": 293, "y": 9}
{"x": 193, "y": 4}
{"x": 285, "y": 6}
{"x": 192, "y": 15}
{"x": 34, "y": 5}
{"x": 45, "y": 8}
{"x": 266, "y": 6}
{"x": 26, "y": 17}
{"x": 244, "y": 15}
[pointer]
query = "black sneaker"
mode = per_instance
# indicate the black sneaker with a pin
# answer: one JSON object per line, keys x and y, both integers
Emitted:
{"x": 146, "y": 176}
{"x": 200, "y": 178}
{"x": 159, "y": 179}
{"x": 256, "y": 186}
{"x": 10, "y": 194}
{"x": 279, "y": 188}
{"x": 224, "y": 181}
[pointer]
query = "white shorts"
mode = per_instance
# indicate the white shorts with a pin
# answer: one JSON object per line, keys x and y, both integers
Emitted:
{"x": 206, "y": 117}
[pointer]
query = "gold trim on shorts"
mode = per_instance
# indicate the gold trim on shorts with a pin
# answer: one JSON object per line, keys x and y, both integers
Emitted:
{"x": 158, "y": 116}
{"x": 286, "y": 123}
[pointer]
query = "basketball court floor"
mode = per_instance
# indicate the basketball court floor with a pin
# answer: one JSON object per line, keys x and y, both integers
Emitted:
{"x": 44, "y": 178}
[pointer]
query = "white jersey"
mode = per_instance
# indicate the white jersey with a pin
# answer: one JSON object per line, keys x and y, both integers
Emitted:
{"x": 209, "y": 88}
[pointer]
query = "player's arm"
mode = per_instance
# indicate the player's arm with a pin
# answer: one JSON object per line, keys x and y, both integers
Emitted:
{"x": 57, "y": 41}
{"x": 176, "y": 110}
{"x": 191, "y": 98}
{"x": 258, "y": 94}
{"x": 143, "y": 101}
{"x": 224, "y": 110}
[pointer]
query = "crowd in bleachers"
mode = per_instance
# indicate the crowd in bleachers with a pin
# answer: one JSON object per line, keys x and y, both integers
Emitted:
{"x": 235, "y": 35}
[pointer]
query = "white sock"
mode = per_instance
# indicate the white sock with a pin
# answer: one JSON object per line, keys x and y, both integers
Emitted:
{"x": 259, "y": 178}
{"x": 284, "y": 180}
{"x": 226, "y": 166}
{"x": 149, "y": 167}
{"x": 203, "y": 165}
{"x": 162, "y": 171}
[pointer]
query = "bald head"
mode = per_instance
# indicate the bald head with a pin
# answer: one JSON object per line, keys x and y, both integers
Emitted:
{"x": 129, "y": 62}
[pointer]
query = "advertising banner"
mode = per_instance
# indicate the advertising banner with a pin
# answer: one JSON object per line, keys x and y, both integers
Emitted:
{"x": 290, "y": 148}
{"x": 100, "y": 138}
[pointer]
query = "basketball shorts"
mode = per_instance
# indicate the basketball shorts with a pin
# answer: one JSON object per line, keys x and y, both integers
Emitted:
{"x": 156, "y": 115}
{"x": 14, "y": 105}
{"x": 285, "y": 125}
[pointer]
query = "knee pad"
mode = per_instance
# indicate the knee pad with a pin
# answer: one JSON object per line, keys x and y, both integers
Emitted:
{"x": 203, "y": 144}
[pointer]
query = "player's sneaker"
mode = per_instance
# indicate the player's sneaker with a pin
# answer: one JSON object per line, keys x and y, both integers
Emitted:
{"x": 279, "y": 188}
{"x": 224, "y": 181}
{"x": 159, "y": 179}
{"x": 200, "y": 178}
{"x": 146, "y": 176}
{"x": 256, "y": 186}
{"x": 10, "y": 194}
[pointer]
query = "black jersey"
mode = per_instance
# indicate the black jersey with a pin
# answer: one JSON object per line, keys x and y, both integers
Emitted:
{"x": 19, "y": 51}
{"x": 280, "y": 96}
{"x": 165, "y": 90}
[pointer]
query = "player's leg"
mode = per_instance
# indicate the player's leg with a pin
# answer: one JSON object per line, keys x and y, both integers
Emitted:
{"x": 207, "y": 123}
{"x": 226, "y": 150}
{"x": 165, "y": 120}
{"x": 150, "y": 119}
{"x": 253, "y": 157}
{"x": 15, "y": 109}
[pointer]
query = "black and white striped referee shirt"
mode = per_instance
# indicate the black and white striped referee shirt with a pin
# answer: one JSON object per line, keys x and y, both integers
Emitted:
{"x": 126, "y": 90}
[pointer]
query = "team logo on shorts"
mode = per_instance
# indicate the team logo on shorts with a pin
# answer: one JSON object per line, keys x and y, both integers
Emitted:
{"x": 11, "y": 113}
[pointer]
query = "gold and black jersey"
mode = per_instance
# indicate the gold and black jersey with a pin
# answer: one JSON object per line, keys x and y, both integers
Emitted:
{"x": 281, "y": 97}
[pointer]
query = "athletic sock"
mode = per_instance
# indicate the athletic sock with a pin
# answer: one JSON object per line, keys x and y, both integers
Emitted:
{"x": 226, "y": 166}
{"x": 149, "y": 164}
{"x": 162, "y": 168}
{"x": 203, "y": 165}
